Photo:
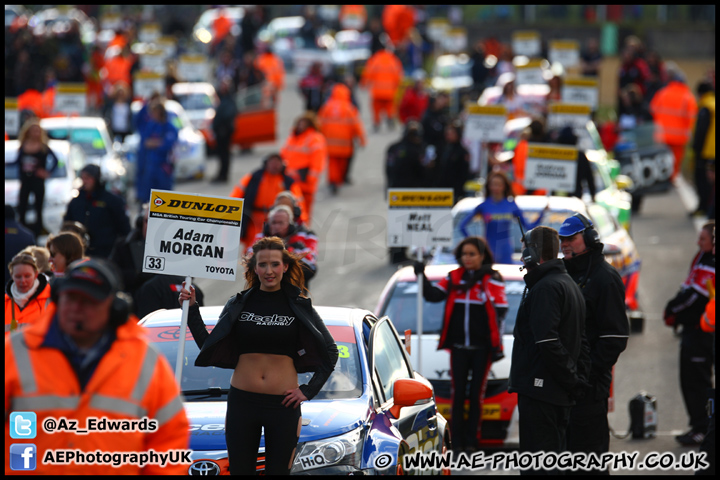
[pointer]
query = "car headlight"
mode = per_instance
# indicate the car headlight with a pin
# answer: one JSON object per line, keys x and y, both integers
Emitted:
{"x": 344, "y": 449}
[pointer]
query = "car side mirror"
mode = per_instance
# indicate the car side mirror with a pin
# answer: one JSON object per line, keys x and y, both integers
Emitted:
{"x": 609, "y": 249}
{"x": 624, "y": 182}
{"x": 408, "y": 392}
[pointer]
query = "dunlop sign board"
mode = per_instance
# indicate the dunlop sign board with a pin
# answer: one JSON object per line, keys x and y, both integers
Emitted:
{"x": 420, "y": 217}
{"x": 12, "y": 117}
{"x": 581, "y": 90}
{"x": 530, "y": 74}
{"x": 552, "y": 167}
{"x": 71, "y": 98}
{"x": 193, "y": 68}
{"x": 564, "y": 114}
{"x": 565, "y": 52}
{"x": 485, "y": 123}
{"x": 526, "y": 43}
{"x": 193, "y": 235}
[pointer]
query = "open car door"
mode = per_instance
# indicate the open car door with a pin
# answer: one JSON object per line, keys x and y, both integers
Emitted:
{"x": 255, "y": 121}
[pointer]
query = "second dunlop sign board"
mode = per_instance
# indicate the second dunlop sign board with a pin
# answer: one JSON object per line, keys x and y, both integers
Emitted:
{"x": 552, "y": 167}
{"x": 420, "y": 217}
{"x": 193, "y": 235}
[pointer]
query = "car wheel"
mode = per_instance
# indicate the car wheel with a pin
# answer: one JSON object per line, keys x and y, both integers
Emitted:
{"x": 447, "y": 446}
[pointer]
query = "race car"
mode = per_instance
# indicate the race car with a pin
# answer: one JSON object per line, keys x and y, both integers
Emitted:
{"x": 620, "y": 250}
{"x": 649, "y": 164}
{"x": 611, "y": 187}
{"x": 372, "y": 411}
{"x": 398, "y": 299}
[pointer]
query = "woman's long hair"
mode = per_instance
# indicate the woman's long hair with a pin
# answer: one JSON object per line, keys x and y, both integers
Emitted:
{"x": 294, "y": 274}
{"x": 503, "y": 176}
{"x": 22, "y": 136}
{"x": 480, "y": 244}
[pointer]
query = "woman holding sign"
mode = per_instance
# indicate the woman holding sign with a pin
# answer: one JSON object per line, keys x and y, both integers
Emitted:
{"x": 268, "y": 334}
{"x": 498, "y": 212}
{"x": 36, "y": 162}
{"x": 475, "y": 308}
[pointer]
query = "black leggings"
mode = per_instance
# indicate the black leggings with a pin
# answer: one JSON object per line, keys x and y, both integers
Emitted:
{"x": 247, "y": 414}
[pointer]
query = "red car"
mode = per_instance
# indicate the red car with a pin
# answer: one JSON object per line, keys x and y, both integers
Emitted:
{"x": 399, "y": 301}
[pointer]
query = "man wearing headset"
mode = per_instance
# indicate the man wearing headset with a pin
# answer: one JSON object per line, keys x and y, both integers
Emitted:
{"x": 88, "y": 357}
{"x": 549, "y": 357}
{"x": 606, "y": 329}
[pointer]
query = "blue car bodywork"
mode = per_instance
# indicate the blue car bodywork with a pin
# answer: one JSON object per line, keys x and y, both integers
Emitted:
{"x": 350, "y": 427}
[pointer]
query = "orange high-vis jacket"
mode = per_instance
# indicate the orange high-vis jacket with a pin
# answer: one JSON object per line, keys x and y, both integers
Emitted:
{"x": 117, "y": 69}
{"x": 674, "y": 110}
{"x": 273, "y": 69}
{"x": 340, "y": 123}
{"x": 33, "y": 310}
{"x": 131, "y": 381}
{"x": 221, "y": 27}
{"x": 353, "y": 17}
{"x": 397, "y": 21}
{"x": 268, "y": 188}
{"x": 383, "y": 74}
{"x": 306, "y": 156}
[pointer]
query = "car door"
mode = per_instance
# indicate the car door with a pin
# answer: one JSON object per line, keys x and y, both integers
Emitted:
{"x": 255, "y": 120}
{"x": 389, "y": 362}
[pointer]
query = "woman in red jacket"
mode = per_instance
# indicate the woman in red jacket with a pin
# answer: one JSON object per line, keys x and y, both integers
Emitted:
{"x": 475, "y": 308}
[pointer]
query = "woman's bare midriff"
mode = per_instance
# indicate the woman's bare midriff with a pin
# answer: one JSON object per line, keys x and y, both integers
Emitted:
{"x": 264, "y": 373}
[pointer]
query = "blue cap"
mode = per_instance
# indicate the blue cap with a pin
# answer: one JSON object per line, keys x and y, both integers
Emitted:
{"x": 571, "y": 226}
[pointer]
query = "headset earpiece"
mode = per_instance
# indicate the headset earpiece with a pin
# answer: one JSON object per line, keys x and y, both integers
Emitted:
{"x": 590, "y": 235}
{"x": 120, "y": 309}
{"x": 530, "y": 257}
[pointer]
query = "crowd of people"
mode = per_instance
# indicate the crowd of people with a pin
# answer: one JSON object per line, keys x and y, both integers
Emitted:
{"x": 83, "y": 292}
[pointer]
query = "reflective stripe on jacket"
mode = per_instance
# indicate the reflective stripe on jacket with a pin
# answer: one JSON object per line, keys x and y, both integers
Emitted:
{"x": 131, "y": 381}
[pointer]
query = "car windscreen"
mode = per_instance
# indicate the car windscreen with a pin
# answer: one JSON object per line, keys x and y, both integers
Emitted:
{"x": 194, "y": 101}
{"x": 402, "y": 308}
{"x": 476, "y": 227}
{"x": 89, "y": 139}
{"x": 12, "y": 170}
{"x": 344, "y": 382}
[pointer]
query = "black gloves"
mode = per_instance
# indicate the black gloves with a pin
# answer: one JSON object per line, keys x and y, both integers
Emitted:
{"x": 580, "y": 390}
{"x": 497, "y": 354}
{"x": 418, "y": 267}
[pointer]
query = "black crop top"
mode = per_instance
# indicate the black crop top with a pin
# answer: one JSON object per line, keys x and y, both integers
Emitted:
{"x": 267, "y": 325}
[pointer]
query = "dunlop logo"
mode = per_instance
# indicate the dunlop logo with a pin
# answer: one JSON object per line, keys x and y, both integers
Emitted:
{"x": 192, "y": 206}
{"x": 564, "y": 45}
{"x": 581, "y": 82}
{"x": 553, "y": 153}
{"x": 486, "y": 110}
{"x": 570, "y": 108}
{"x": 526, "y": 35}
{"x": 420, "y": 199}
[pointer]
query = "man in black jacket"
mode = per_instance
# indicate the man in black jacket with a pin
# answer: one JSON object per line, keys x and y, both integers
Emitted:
{"x": 549, "y": 359}
{"x": 696, "y": 346}
{"x": 103, "y": 213}
{"x": 606, "y": 329}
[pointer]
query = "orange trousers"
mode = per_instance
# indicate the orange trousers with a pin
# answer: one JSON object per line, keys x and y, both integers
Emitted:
{"x": 386, "y": 105}
{"x": 679, "y": 153}
{"x": 336, "y": 170}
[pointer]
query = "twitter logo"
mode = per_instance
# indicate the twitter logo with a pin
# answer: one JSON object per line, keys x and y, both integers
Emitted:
{"x": 23, "y": 425}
